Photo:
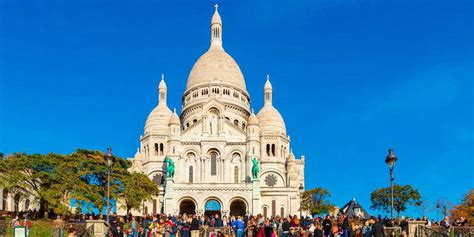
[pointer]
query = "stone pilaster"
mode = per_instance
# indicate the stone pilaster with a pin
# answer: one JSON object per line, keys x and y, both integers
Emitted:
{"x": 168, "y": 199}
{"x": 256, "y": 197}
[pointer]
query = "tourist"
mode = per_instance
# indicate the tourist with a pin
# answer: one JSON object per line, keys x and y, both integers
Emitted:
{"x": 133, "y": 226}
{"x": 427, "y": 221}
{"x": 238, "y": 225}
{"x": 285, "y": 227}
{"x": 185, "y": 225}
{"x": 217, "y": 221}
{"x": 367, "y": 229}
{"x": 194, "y": 227}
{"x": 318, "y": 231}
{"x": 445, "y": 223}
{"x": 118, "y": 232}
{"x": 141, "y": 232}
{"x": 377, "y": 229}
{"x": 327, "y": 226}
{"x": 404, "y": 226}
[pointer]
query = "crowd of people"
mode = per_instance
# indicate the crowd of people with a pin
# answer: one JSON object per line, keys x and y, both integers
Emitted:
{"x": 193, "y": 225}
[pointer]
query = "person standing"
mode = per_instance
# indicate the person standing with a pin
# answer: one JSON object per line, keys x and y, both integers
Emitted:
{"x": 377, "y": 229}
{"x": 327, "y": 226}
{"x": 285, "y": 227}
{"x": 239, "y": 227}
{"x": 194, "y": 228}
{"x": 445, "y": 223}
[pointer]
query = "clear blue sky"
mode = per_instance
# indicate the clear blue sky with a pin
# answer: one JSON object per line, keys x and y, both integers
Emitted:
{"x": 351, "y": 78}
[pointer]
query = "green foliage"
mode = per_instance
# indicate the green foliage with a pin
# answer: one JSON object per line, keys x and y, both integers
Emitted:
{"x": 55, "y": 179}
{"x": 137, "y": 188}
{"x": 403, "y": 196}
{"x": 315, "y": 201}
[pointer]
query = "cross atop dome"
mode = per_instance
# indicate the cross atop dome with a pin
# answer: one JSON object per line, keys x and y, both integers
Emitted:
{"x": 216, "y": 29}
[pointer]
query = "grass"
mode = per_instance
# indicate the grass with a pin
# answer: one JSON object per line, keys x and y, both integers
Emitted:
{"x": 39, "y": 228}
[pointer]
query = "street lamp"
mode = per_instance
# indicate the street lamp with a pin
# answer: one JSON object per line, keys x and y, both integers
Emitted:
{"x": 108, "y": 163}
{"x": 390, "y": 161}
{"x": 301, "y": 189}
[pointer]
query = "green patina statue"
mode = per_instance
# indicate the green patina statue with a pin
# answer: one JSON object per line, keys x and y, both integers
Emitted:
{"x": 255, "y": 168}
{"x": 169, "y": 167}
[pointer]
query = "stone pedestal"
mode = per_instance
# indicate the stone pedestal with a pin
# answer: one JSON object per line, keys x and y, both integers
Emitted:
{"x": 168, "y": 199}
{"x": 256, "y": 197}
{"x": 99, "y": 227}
{"x": 412, "y": 227}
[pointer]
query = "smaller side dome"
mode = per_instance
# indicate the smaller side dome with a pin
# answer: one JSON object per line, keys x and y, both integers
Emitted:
{"x": 253, "y": 120}
{"x": 158, "y": 120}
{"x": 270, "y": 120}
{"x": 174, "y": 118}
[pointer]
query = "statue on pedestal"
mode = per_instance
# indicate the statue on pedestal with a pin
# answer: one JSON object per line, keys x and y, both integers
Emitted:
{"x": 255, "y": 168}
{"x": 169, "y": 167}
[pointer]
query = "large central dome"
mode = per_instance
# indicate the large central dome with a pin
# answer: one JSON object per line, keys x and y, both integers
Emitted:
{"x": 216, "y": 66}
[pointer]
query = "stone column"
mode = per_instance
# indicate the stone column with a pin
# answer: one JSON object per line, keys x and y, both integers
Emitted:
{"x": 256, "y": 197}
{"x": 168, "y": 199}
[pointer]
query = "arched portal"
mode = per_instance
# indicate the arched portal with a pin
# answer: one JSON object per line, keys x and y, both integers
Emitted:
{"x": 187, "y": 206}
{"x": 212, "y": 207}
{"x": 238, "y": 208}
{"x": 16, "y": 200}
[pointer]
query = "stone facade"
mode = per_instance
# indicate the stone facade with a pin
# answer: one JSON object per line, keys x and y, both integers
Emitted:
{"x": 212, "y": 143}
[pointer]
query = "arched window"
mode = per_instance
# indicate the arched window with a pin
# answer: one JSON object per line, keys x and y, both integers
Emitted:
{"x": 187, "y": 125}
{"x": 156, "y": 148}
{"x": 195, "y": 120}
{"x": 16, "y": 203}
{"x": 273, "y": 149}
{"x": 213, "y": 163}
{"x": 273, "y": 208}
{"x": 243, "y": 126}
{"x": 27, "y": 204}
{"x": 191, "y": 174}
{"x": 268, "y": 149}
{"x": 162, "y": 148}
{"x": 236, "y": 174}
{"x": 282, "y": 211}
{"x": 265, "y": 212}
{"x": 236, "y": 122}
{"x": 5, "y": 199}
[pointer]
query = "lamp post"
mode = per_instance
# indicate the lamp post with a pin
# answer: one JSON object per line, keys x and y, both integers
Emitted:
{"x": 390, "y": 161}
{"x": 301, "y": 189}
{"x": 108, "y": 163}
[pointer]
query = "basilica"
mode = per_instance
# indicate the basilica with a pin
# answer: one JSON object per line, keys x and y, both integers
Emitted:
{"x": 213, "y": 141}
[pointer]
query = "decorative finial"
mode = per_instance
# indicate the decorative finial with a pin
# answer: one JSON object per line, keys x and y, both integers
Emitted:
{"x": 216, "y": 6}
{"x": 268, "y": 77}
{"x": 253, "y": 111}
{"x": 174, "y": 110}
{"x": 162, "y": 76}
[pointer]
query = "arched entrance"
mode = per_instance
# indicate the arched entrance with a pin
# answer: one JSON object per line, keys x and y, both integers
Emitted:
{"x": 212, "y": 207}
{"x": 187, "y": 206}
{"x": 238, "y": 208}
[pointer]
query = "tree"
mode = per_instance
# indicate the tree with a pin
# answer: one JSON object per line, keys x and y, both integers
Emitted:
{"x": 465, "y": 208}
{"x": 315, "y": 201}
{"x": 28, "y": 175}
{"x": 137, "y": 188}
{"x": 403, "y": 196}
{"x": 443, "y": 205}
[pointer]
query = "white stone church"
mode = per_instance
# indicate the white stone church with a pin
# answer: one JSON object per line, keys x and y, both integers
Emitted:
{"x": 213, "y": 141}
